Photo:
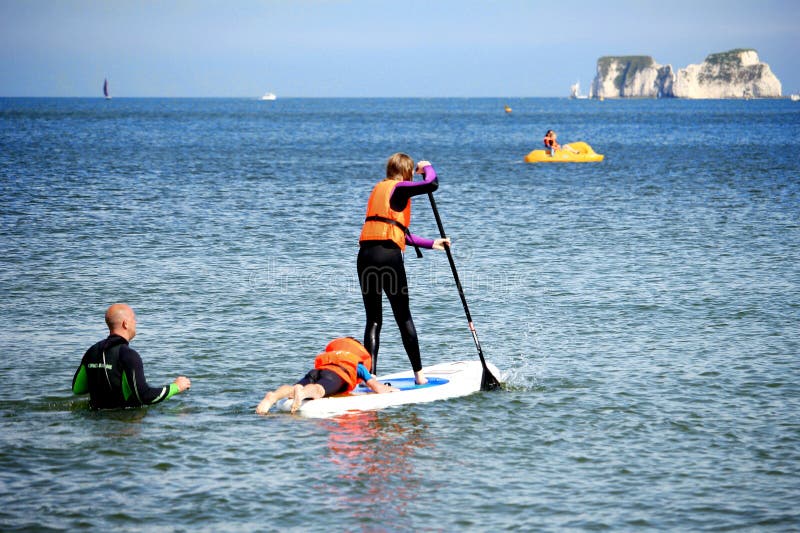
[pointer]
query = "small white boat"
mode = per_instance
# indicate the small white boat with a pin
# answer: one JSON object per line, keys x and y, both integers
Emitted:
{"x": 269, "y": 96}
{"x": 794, "y": 97}
{"x": 575, "y": 91}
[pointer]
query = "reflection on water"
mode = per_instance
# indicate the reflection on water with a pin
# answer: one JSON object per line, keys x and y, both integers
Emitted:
{"x": 375, "y": 454}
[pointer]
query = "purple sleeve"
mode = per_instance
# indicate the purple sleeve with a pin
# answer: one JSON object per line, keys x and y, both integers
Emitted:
{"x": 403, "y": 192}
{"x": 419, "y": 187}
{"x": 422, "y": 242}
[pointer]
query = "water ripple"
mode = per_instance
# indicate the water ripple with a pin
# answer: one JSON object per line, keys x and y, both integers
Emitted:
{"x": 643, "y": 312}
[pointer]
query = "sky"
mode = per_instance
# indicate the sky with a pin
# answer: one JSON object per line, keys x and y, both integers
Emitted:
{"x": 369, "y": 48}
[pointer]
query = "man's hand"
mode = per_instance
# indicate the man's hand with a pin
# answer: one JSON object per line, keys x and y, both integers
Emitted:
{"x": 183, "y": 383}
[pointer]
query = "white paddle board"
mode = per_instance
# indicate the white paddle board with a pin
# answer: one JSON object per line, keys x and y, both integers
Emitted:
{"x": 446, "y": 380}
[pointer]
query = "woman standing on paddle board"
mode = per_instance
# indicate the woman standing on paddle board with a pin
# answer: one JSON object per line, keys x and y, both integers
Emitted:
{"x": 380, "y": 256}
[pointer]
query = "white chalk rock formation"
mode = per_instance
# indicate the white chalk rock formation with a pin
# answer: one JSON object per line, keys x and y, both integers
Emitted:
{"x": 631, "y": 77}
{"x": 733, "y": 74}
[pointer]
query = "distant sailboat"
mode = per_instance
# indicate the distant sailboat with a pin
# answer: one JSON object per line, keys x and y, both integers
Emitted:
{"x": 575, "y": 91}
{"x": 269, "y": 96}
{"x": 105, "y": 89}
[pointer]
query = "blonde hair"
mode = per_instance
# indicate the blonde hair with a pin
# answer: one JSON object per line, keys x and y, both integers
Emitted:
{"x": 400, "y": 166}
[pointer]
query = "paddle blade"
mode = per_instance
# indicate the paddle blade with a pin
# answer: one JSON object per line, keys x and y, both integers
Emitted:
{"x": 488, "y": 380}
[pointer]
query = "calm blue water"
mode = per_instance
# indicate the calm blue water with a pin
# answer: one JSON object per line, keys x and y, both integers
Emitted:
{"x": 645, "y": 313}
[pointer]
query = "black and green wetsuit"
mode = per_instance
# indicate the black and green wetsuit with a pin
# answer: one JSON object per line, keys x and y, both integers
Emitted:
{"x": 113, "y": 375}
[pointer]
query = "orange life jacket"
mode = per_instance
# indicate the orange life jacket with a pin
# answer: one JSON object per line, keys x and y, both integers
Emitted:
{"x": 349, "y": 344}
{"x": 342, "y": 357}
{"x": 394, "y": 225}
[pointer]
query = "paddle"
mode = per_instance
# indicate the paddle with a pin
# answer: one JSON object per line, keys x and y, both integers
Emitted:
{"x": 488, "y": 380}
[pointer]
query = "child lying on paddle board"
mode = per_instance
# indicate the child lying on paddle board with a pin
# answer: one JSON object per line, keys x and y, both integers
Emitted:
{"x": 344, "y": 363}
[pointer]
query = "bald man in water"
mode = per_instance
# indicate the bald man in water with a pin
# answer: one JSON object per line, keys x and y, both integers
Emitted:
{"x": 112, "y": 372}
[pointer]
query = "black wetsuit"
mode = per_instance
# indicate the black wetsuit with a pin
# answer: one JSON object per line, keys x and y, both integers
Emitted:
{"x": 381, "y": 269}
{"x": 113, "y": 375}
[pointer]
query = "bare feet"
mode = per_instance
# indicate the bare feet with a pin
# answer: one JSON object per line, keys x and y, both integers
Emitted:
{"x": 266, "y": 403}
{"x": 297, "y": 393}
{"x": 419, "y": 378}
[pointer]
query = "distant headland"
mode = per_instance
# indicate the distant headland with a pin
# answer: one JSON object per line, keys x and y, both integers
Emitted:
{"x": 733, "y": 74}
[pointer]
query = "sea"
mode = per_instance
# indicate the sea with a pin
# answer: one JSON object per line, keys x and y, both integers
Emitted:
{"x": 644, "y": 313}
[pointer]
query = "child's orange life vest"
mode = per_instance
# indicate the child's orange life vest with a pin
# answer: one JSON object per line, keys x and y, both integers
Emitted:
{"x": 342, "y": 356}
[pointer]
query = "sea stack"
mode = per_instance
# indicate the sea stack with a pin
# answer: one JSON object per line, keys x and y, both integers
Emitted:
{"x": 631, "y": 77}
{"x": 734, "y": 74}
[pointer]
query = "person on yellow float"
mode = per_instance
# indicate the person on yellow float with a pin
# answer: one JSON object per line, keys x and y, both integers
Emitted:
{"x": 551, "y": 144}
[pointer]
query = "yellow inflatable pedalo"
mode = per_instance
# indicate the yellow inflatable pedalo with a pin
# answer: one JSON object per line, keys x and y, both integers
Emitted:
{"x": 584, "y": 154}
